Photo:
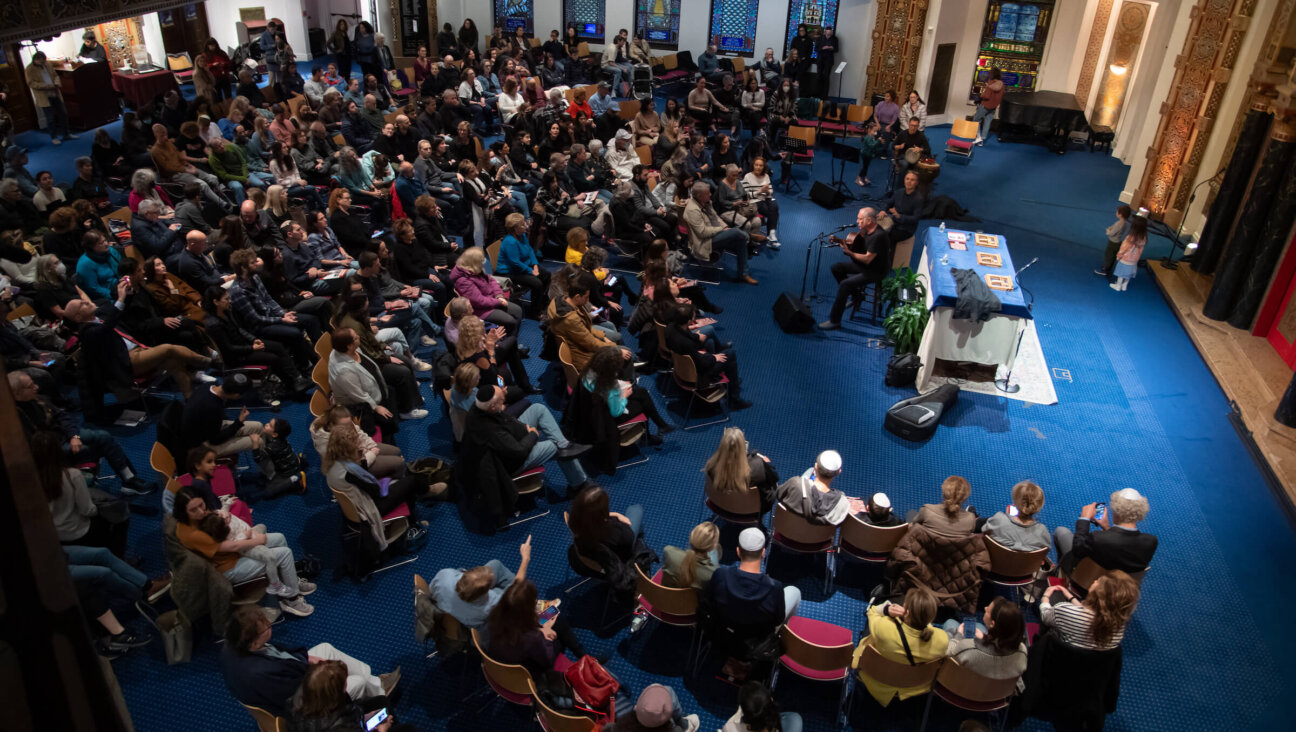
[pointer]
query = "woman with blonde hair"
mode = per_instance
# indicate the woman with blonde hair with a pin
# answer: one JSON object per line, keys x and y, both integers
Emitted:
{"x": 1098, "y": 622}
{"x": 1017, "y": 528}
{"x": 694, "y": 566}
{"x": 381, "y": 459}
{"x": 903, "y": 634}
{"x": 345, "y": 473}
{"x": 948, "y": 516}
{"x": 277, "y": 204}
{"x": 735, "y": 468}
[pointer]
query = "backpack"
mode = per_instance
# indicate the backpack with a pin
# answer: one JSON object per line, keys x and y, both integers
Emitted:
{"x": 902, "y": 369}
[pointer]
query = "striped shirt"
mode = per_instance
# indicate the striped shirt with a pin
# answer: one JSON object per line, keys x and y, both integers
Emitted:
{"x": 1073, "y": 621}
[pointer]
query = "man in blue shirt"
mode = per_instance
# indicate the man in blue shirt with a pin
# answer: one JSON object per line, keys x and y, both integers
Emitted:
{"x": 302, "y": 264}
{"x": 469, "y": 595}
{"x": 607, "y": 113}
{"x": 408, "y": 187}
{"x": 708, "y": 64}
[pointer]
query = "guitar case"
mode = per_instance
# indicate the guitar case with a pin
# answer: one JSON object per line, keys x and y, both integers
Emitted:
{"x": 915, "y": 419}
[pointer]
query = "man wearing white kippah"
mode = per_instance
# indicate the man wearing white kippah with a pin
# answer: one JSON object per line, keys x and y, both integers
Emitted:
{"x": 877, "y": 511}
{"x": 812, "y": 497}
{"x": 745, "y": 598}
{"x": 1120, "y": 545}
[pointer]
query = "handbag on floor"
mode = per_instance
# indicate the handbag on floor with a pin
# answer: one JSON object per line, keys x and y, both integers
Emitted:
{"x": 176, "y": 632}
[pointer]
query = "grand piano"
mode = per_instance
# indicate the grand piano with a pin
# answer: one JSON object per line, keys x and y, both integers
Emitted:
{"x": 1042, "y": 116}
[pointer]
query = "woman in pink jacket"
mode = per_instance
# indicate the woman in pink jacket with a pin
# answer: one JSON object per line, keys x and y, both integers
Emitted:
{"x": 489, "y": 301}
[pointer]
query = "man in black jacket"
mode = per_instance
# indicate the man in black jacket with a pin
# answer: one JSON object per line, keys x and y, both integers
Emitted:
{"x": 260, "y": 674}
{"x": 258, "y": 227}
{"x": 869, "y": 261}
{"x": 452, "y": 111}
{"x": 204, "y": 419}
{"x": 1120, "y": 545}
{"x": 195, "y": 266}
{"x": 498, "y": 446}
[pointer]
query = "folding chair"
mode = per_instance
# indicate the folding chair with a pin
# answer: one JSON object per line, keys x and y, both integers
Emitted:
{"x": 796, "y": 534}
{"x": 818, "y": 651}
{"x": 958, "y": 149}
{"x": 395, "y": 524}
{"x": 265, "y": 721}
{"x": 510, "y": 682}
{"x": 552, "y": 720}
{"x": 686, "y": 378}
{"x": 896, "y": 674}
{"x": 1010, "y": 568}
{"x": 675, "y": 606}
{"x": 965, "y": 689}
{"x": 736, "y": 508}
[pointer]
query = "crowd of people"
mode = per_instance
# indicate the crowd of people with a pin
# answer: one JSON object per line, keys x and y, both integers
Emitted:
{"x": 324, "y": 233}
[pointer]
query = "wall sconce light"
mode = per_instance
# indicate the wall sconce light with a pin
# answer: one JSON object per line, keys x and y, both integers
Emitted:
{"x": 1118, "y": 69}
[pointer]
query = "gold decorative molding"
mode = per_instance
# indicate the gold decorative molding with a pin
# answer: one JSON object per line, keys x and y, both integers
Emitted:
{"x": 1102, "y": 16}
{"x": 1127, "y": 39}
{"x": 396, "y": 42}
{"x": 897, "y": 41}
{"x": 1202, "y": 73}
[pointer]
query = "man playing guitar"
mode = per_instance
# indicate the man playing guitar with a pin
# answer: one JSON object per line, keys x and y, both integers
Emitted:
{"x": 869, "y": 257}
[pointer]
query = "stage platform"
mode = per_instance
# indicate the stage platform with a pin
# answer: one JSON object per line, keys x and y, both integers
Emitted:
{"x": 1248, "y": 370}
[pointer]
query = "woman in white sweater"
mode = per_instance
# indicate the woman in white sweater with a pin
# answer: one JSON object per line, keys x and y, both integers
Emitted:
{"x": 913, "y": 107}
{"x": 758, "y": 185}
{"x": 76, "y": 517}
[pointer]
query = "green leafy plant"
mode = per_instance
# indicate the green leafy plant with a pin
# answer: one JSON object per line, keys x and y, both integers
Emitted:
{"x": 901, "y": 279}
{"x": 905, "y": 324}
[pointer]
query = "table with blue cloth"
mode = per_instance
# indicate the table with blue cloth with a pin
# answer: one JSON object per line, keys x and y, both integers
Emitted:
{"x": 992, "y": 342}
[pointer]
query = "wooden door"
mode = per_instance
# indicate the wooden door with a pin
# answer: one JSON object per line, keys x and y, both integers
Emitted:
{"x": 184, "y": 29}
{"x": 942, "y": 68}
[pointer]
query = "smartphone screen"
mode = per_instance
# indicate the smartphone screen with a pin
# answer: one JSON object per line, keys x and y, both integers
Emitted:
{"x": 378, "y": 718}
{"x": 1011, "y": 510}
{"x": 969, "y": 626}
{"x": 549, "y": 613}
{"x": 1100, "y": 512}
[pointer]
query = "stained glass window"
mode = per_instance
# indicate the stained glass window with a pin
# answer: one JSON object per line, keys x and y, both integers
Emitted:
{"x": 814, "y": 14}
{"x": 514, "y": 14}
{"x": 733, "y": 26}
{"x": 587, "y": 16}
{"x": 658, "y": 21}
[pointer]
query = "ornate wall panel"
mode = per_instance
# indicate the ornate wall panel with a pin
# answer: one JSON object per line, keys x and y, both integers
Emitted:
{"x": 897, "y": 41}
{"x": 1102, "y": 16}
{"x": 512, "y": 14}
{"x": 29, "y": 19}
{"x": 1202, "y": 73}
{"x": 1117, "y": 70}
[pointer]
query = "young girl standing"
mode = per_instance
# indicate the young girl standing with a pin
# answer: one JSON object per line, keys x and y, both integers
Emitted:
{"x": 1131, "y": 251}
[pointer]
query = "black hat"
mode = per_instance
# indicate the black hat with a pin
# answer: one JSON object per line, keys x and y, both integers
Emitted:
{"x": 235, "y": 384}
{"x": 485, "y": 393}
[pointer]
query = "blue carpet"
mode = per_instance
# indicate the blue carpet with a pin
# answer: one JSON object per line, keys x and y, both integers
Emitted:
{"x": 1139, "y": 409}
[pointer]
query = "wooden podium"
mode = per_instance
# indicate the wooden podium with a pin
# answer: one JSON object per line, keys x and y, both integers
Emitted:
{"x": 88, "y": 95}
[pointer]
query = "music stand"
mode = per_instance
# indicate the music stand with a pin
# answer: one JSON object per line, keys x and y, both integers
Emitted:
{"x": 843, "y": 153}
{"x": 791, "y": 146}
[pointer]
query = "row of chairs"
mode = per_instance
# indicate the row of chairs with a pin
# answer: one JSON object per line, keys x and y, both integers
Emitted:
{"x": 684, "y": 372}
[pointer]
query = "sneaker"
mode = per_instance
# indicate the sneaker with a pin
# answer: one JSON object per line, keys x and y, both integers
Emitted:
{"x": 126, "y": 640}
{"x": 420, "y": 365}
{"x": 1102, "y": 272}
{"x": 691, "y": 723}
{"x": 979, "y": 140}
{"x": 774, "y": 243}
{"x": 278, "y": 590}
{"x": 106, "y": 653}
{"x": 1115, "y": 287}
{"x": 296, "y": 606}
{"x": 829, "y": 325}
{"x": 305, "y": 587}
{"x": 137, "y": 487}
{"x": 389, "y": 680}
{"x": 415, "y": 533}
{"x": 70, "y": 136}
{"x": 415, "y": 414}
{"x": 572, "y": 450}
{"x": 428, "y": 341}
{"x": 56, "y": 141}
{"x": 205, "y": 378}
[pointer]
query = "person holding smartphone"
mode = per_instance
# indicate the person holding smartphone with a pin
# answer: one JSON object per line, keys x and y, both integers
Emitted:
{"x": 322, "y": 703}
{"x": 993, "y": 647}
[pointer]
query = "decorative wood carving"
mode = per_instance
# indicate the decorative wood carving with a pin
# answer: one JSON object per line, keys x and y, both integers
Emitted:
{"x": 897, "y": 41}
{"x": 20, "y": 21}
{"x": 1102, "y": 16}
{"x": 1127, "y": 38}
{"x": 1202, "y": 73}
{"x": 396, "y": 42}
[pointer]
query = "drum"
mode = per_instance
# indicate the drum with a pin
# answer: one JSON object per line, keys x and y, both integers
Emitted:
{"x": 928, "y": 171}
{"x": 913, "y": 155}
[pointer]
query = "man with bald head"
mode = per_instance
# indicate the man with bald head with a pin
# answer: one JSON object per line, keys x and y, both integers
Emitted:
{"x": 372, "y": 116}
{"x": 195, "y": 266}
{"x": 259, "y": 228}
{"x": 408, "y": 187}
{"x": 868, "y": 253}
{"x": 406, "y": 139}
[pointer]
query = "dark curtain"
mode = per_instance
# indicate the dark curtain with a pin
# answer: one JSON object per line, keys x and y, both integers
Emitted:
{"x": 1224, "y": 208}
{"x": 1268, "y": 250}
{"x": 1286, "y": 412}
{"x": 1236, "y": 265}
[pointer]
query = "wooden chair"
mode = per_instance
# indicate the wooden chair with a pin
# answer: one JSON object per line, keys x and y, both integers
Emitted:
{"x": 395, "y": 524}
{"x": 805, "y": 157}
{"x": 265, "y": 721}
{"x": 676, "y": 606}
{"x": 1087, "y": 571}
{"x": 552, "y": 720}
{"x": 739, "y": 64}
{"x": 868, "y": 543}
{"x": 965, "y": 689}
{"x": 818, "y": 651}
{"x": 569, "y": 369}
{"x": 736, "y": 508}
{"x": 797, "y": 534}
{"x": 320, "y": 403}
{"x": 22, "y": 311}
{"x": 324, "y": 345}
{"x": 130, "y": 251}
{"x": 686, "y": 378}
{"x": 320, "y": 376}
{"x": 958, "y": 149}
{"x": 492, "y": 253}
{"x": 898, "y": 674}
{"x": 628, "y": 110}
{"x": 511, "y": 682}
{"x": 339, "y": 140}
{"x": 834, "y": 124}
{"x": 856, "y": 116}
{"x": 162, "y": 461}
{"x": 645, "y": 155}
{"x": 1010, "y": 568}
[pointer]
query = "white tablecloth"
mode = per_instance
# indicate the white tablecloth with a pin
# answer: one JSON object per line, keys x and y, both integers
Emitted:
{"x": 993, "y": 342}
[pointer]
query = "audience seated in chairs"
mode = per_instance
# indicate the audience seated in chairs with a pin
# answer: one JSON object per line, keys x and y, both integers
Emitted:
{"x": 877, "y": 511}
{"x": 79, "y": 518}
{"x": 373, "y": 497}
{"x": 239, "y": 348}
{"x": 361, "y": 385}
{"x": 613, "y": 540}
{"x": 322, "y": 702}
{"x": 261, "y": 674}
{"x": 379, "y": 458}
{"x": 745, "y": 600}
{"x": 1120, "y": 545}
{"x": 997, "y": 650}
{"x": 814, "y": 498}
{"x": 948, "y": 516}
{"x": 693, "y": 567}
{"x": 488, "y": 299}
{"x": 758, "y": 712}
{"x": 602, "y": 401}
{"x": 1098, "y": 622}
{"x": 1018, "y": 529}
{"x": 711, "y": 365}
{"x": 517, "y": 637}
{"x": 902, "y": 633}
{"x": 570, "y": 321}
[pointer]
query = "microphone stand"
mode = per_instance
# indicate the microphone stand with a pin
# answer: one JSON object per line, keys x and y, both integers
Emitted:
{"x": 1004, "y": 384}
{"x": 821, "y": 240}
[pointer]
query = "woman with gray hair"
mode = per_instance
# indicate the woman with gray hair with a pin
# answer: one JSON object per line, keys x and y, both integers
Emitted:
{"x": 735, "y": 205}
{"x": 143, "y": 188}
{"x": 1119, "y": 544}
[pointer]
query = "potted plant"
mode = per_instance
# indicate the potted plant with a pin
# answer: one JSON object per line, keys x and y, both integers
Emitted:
{"x": 903, "y": 285}
{"x": 905, "y": 325}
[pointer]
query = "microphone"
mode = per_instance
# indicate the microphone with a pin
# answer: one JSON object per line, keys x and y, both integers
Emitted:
{"x": 844, "y": 227}
{"x": 1026, "y": 267}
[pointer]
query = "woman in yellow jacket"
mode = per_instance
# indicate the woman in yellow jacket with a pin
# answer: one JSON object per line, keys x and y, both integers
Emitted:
{"x": 925, "y": 642}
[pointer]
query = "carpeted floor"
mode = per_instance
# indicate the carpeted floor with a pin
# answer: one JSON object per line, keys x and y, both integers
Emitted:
{"x": 1136, "y": 407}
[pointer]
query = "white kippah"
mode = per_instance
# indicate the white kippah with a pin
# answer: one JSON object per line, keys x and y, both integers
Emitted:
{"x": 751, "y": 539}
{"x": 881, "y": 501}
{"x": 1129, "y": 494}
{"x": 829, "y": 460}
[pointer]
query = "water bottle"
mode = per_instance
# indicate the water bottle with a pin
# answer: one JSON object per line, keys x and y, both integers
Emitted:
{"x": 942, "y": 227}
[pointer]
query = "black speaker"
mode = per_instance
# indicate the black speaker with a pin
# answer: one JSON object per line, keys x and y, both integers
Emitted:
{"x": 792, "y": 315}
{"x": 826, "y": 196}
